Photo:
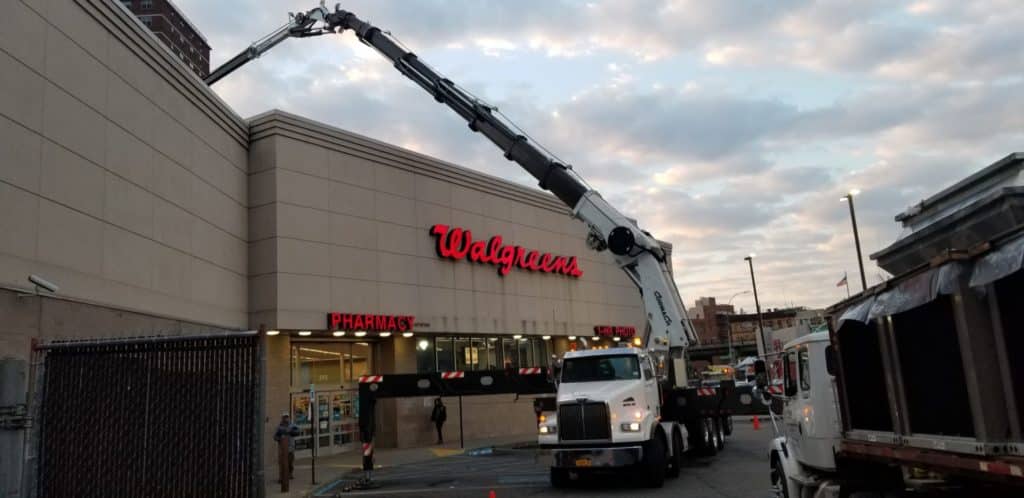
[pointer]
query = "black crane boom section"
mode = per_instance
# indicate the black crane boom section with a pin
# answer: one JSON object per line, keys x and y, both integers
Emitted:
{"x": 551, "y": 174}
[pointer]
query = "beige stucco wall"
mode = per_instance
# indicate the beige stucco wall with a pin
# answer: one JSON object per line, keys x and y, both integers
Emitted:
{"x": 123, "y": 177}
{"x": 341, "y": 222}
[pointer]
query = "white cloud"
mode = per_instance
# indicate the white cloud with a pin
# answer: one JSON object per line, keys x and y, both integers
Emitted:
{"x": 693, "y": 115}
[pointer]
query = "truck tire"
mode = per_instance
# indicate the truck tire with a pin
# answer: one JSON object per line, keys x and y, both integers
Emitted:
{"x": 719, "y": 432}
{"x": 675, "y": 466}
{"x": 652, "y": 467}
{"x": 708, "y": 445}
{"x": 779, "y": 479}
{"x": 560, "y": 478}
{"x": 727, "y": 425}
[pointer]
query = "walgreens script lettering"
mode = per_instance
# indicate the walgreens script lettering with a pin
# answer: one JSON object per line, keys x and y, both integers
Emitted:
{"x": 458, "y": 244}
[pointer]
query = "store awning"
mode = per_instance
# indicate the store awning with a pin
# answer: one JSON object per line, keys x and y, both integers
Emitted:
{"x": 1000, "y": 263}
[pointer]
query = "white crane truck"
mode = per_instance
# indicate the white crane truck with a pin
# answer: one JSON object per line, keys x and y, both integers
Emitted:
{"x": 616, "y": 408}
{"x": 918, "y": 387}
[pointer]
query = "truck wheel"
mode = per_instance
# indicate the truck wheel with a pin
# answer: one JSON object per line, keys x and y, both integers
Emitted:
{"x": 560, "y": 478}
{"x": 719, "y": 435}
{"x": 708, "y": 446}
{"x": 654, "y": 463}
{"x": 727, "y": 425}
{"x": 781, "y": 482}
{"x": 676, "y": 461}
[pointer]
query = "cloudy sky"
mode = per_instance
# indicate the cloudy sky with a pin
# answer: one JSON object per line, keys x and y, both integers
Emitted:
{"x": 724, "y": 127}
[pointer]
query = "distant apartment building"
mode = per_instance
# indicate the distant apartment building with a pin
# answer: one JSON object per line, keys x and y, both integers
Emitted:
{"x": 744, "y": 326}
{"x": 171, "y": 26}
{"x": 710, "y": 320}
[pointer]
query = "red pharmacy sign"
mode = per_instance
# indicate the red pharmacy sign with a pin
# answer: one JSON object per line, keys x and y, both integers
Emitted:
{"x": 378, "y": 323}
{"x": 458, "y": 243}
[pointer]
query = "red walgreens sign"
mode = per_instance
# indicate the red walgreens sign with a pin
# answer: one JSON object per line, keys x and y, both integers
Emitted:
{"x": 614, "y": 331}
{"x": 458, "y": 243}
{"x": 377, "y": 323}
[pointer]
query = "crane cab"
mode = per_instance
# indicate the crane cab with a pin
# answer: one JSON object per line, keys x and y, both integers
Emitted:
{"x": 810, "y": 413}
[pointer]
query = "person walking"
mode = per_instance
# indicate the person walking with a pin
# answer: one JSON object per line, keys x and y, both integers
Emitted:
{"x": 438, "y": 416}
{"x": 285, "y": 436}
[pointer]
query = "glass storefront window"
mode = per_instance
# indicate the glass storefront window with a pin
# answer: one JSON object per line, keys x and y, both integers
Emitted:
{"x": 464, "y": 357}
{"x": 425, "y": 359}
{"x": 445, "y": 356}
{"x": 360, "y": 359}
{"x": 316, "y": 363}
{"x": 510, "y": 354}
{"x": 480, "y": 347}
{"x": 525, "y": 353}
{"x": 540, "y": 348}
{"x": 493, "y": 353}
{"x": 329, "y": 364}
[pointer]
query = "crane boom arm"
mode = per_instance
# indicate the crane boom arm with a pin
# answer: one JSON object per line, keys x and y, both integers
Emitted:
{"x": 638, "y": 254}
{"x": 300, "y": 25}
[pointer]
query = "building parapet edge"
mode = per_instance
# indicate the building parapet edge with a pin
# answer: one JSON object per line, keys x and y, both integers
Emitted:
{"x": 277, "y": 122}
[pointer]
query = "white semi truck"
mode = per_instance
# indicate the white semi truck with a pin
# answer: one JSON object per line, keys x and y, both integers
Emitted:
{"x": 615, "y": 412}
{"x": 624, "y": 407}
{"x": 917, "y": 389}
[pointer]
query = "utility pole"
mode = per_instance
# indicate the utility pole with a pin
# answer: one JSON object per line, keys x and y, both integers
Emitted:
{"x": 856, "y": 236}
{"x": 757, "y": 305}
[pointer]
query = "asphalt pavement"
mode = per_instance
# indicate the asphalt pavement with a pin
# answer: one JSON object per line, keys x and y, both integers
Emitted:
{"x": 738, "y": 471}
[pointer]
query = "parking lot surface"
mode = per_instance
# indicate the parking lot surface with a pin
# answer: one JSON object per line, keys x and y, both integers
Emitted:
{"x": 739, "y": 471}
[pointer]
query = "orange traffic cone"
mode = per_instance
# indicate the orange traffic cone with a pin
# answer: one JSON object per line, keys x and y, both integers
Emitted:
{"x": 757, "y": 423}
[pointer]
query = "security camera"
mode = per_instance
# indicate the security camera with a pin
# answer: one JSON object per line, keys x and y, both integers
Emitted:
{"x": 43, "y": 283}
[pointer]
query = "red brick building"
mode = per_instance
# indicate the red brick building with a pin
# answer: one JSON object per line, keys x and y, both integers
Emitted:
{"x": 171, "y": 26}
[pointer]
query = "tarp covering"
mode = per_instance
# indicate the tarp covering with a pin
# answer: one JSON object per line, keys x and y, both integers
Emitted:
{"x": 1000, "y": 263}
{"x": 858, "y": 312}
{"x": 917, "y": 290}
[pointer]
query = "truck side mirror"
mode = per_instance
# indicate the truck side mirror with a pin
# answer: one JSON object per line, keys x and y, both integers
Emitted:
{"x": 830, "y": 360}
{"x": 760, "y": 374}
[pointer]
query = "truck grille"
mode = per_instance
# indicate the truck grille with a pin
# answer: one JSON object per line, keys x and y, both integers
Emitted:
{"x": 583, "y": 421}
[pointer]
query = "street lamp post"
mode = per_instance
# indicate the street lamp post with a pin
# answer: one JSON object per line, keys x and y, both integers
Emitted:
{"x": 728, "y": 326}
{"x": 856, "y": 236}
{"x": 757, "y": 305}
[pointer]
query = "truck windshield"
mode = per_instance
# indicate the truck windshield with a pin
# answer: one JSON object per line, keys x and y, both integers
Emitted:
{"x": 600, "y": 368}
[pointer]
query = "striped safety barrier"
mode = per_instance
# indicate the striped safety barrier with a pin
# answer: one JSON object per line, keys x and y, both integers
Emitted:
{"x": 705, "y": 391}
{"x": 531, "y": 371}
{"x": 775, "y": 389}
{"x": 1000, "y": 468}
{"x": 453, "y": 375}
{"x": 370, "y": 379}
{"x": 368, "y": 457}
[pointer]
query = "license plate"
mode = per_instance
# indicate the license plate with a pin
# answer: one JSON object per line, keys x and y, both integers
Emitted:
{"x": 583, "y": 462}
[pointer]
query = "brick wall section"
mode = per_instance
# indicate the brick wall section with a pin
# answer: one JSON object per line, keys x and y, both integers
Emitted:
{"x": 175, "y": 31}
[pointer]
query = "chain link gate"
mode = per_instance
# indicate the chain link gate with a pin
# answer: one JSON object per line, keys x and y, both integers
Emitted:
{"x": 154, "y": 417}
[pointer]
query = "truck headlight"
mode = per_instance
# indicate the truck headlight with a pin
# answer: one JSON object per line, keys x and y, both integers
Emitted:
{"x": 631, "y": 427}
{"x": 549, "y": 429}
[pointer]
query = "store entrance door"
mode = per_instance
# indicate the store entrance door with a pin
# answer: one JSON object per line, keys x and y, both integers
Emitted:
{"x": 330, "y": 370}
{"x": 332, "y": 422}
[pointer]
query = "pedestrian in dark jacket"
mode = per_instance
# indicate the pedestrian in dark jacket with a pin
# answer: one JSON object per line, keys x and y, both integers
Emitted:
{"x": 438, "y": 415}
{"x": 286, "y": 429}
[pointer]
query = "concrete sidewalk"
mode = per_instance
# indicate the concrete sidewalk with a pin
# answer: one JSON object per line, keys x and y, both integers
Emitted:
{"x": 331, "y": 468}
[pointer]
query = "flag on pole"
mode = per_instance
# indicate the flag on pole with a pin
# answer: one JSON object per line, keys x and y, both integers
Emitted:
{"x": 842, "y": 282}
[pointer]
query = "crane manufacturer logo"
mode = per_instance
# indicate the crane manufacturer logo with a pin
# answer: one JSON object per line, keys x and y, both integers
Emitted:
{"x": 458, "y": 243}
{"x": 661, "y": 304}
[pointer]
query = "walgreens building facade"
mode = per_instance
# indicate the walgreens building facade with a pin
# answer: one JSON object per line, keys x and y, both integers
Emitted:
{"x": 159, "y": 211}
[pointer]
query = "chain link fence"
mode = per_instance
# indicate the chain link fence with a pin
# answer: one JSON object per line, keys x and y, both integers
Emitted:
{"x": 151, "y": 417}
